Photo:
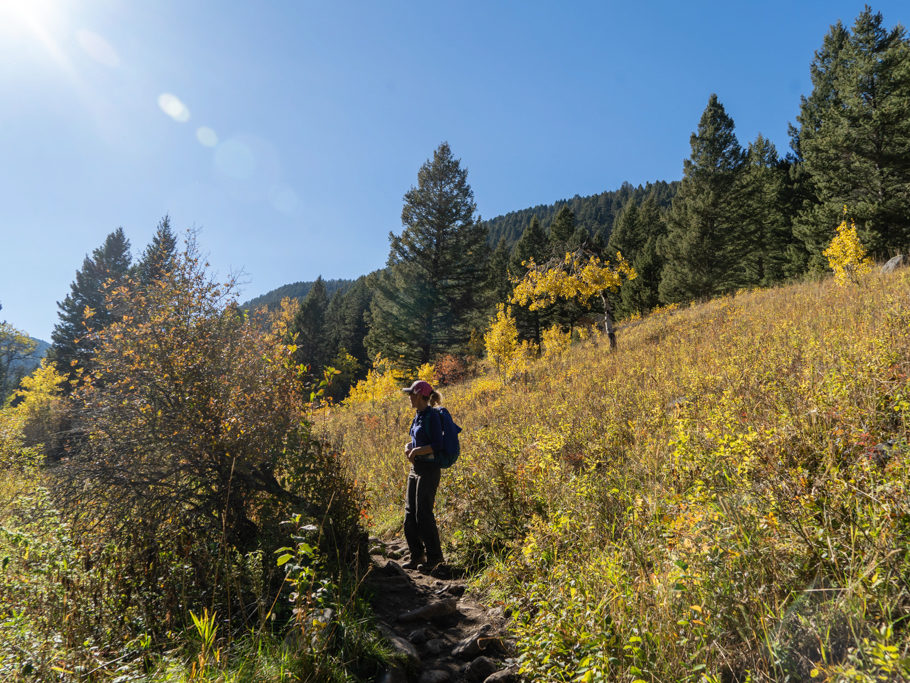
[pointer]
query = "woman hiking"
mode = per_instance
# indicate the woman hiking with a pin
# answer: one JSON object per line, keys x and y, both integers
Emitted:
{"x": 420, "y": 529}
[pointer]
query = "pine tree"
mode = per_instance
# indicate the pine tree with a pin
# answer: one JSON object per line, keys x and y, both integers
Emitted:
{"x": 308, "y": 329}
{"x": 703, "y": 249}
{"x": 562, "y": 232}
{"x": 854, "y": 137}
{"x": 159, "y": 256}
{"x": 427, "y": 302}
{"x": 824, "y": 69}
{"x": 498, "y": 283}
{"x": 85, "y": 310}
{"x": 533, "y": 244}
{"x": 635, "y": 235}
{"x": 766, "y": 218}
{"x": 627, "y": 236}
{"x": 347, "y": 321}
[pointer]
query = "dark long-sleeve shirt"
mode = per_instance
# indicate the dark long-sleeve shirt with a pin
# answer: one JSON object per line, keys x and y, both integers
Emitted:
{"x": 426, "y": 430}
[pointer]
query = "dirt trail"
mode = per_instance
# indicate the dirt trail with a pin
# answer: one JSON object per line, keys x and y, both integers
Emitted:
{"x": 443, "y": 632}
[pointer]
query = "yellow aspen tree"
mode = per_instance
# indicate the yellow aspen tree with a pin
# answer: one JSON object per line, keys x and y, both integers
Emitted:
{"x": 846, "y": 254}
{"x": 579, "y": 276}
{"x": 501, "y": 341}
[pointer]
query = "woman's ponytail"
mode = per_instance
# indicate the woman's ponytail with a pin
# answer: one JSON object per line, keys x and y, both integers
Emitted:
{"x": 435, "y": 398}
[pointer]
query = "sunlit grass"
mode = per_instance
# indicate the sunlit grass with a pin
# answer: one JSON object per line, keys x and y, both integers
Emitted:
{"x": 722, "y": 497}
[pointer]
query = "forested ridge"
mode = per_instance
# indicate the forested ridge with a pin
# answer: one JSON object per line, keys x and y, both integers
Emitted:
{"x": 685, "y": 404}
{"x": 294, "y": 290}
{"x": 595, "y": 213}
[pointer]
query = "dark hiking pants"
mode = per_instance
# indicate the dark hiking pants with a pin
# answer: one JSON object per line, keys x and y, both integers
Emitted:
{"x": 419, "y": 522}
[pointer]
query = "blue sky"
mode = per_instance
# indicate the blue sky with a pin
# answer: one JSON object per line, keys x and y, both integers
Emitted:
{"x": 288, "y": 132}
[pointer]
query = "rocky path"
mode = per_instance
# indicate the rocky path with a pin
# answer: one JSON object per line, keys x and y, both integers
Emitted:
{"x": 442, "y": 633}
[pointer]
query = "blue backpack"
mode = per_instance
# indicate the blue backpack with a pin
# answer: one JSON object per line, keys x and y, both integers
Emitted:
{"x": 451, "y": 449}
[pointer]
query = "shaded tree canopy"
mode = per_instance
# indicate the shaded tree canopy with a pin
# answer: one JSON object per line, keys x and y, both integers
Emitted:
{"x": 308, "y": 330}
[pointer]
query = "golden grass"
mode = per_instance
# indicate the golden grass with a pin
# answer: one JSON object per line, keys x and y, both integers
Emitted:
{"x": 723, "y": 497}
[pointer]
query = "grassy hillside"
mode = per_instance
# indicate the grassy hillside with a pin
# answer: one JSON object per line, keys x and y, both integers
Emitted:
{"x": 723, "y": 498}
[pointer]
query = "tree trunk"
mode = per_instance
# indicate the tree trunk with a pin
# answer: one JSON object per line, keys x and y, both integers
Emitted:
{"x": 608, "y": 320}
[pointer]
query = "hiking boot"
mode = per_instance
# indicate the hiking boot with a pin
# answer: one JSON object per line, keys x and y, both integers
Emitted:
{"x": 416, "y": 562}
{"x": 431, "y": 567}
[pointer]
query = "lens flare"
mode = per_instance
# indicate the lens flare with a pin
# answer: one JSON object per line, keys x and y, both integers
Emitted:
{"x": 206, "y": 136}
{"x": 172, "y": 106}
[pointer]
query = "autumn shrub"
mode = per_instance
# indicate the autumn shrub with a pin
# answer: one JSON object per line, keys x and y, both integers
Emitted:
{"x": 720, "y": 498}
{"x": 555, "y": 341}
{"x": 505, "y": 353}
{"x": 194, "y": 450}
{"x": 450, "y": 369}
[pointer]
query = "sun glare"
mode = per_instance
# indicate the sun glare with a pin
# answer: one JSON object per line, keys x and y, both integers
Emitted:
{"x": 23, "y": 21}
{"x": 27, "y": 15}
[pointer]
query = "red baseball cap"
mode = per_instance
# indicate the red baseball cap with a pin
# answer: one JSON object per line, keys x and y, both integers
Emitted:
{"x": 419, "y": 387}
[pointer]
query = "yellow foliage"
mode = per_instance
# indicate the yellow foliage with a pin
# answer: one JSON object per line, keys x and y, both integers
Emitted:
{"x": 427, "y": 372}
{"x": 509, "y": 357}
{"x": 41, "y": 389}
{"x": 382, "y": 383}
{"x": 576, "y": 278}
{"x": 27, "y": 428}
{"x": 501, "y": 341}
{"x": 482, "y": 388}
{"x": 554, "y": 341}
{"x": 846, "y": 254}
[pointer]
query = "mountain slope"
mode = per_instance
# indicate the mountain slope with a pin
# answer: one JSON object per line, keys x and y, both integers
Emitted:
{"x": 295, "y": 290}
{"x": 724, "y": 495}
{"x": 596, "y": 213}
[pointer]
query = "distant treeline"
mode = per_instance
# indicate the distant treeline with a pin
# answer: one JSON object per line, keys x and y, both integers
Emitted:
{"x": 595, "y": 213}
{"x": 295, "y": 290}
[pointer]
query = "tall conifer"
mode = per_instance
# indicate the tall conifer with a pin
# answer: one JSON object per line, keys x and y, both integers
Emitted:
{"x": 766, "y": 220}
{"x": 428, "y": 300}
{"x": 703, "y": 249}
{"x": 498, "y": 283}
{"x": 635, "y": 235}
{"x": 85, "y": 309}
{"x": 347, "y": 320}
{"x": 854, "y": 137}
{"x": 308, "y": 328}
{"x": 562, "y": 232}
{"x": 159, "y": 256}
{"x": 534, "y": 244}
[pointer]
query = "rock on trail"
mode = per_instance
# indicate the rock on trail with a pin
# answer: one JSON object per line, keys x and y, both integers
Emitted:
{"x": 443, "y": 634}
